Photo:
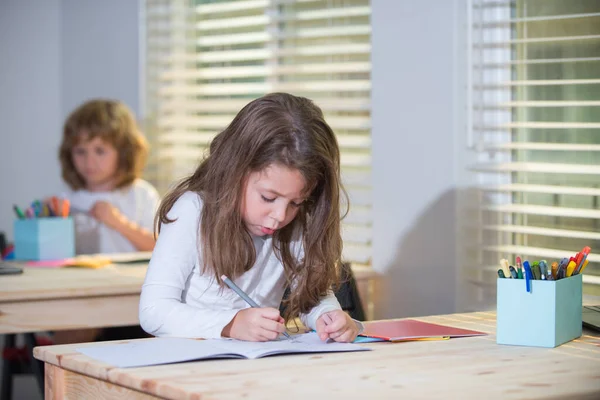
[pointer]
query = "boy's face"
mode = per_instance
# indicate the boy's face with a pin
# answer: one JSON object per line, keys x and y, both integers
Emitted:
{"x": 272, "y": 198}
{"x": 97, "y": 162}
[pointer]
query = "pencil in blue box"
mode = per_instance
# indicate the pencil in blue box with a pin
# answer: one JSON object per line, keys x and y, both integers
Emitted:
{"x": 19, "y": 212}
{"x": 504, "y": 266}
{"x": 59, "y": 207}
{"x": 519, "y": 268}
{"x": 582, "y": 260}
{"x": 528, "y": 275}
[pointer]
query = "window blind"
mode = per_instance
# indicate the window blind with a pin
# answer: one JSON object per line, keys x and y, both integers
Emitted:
{"x": 534, "y": 125}
{"x": 206, "y": 59}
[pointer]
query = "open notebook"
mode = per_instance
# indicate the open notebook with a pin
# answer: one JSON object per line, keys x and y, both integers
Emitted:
{"x": 145, "y": 352}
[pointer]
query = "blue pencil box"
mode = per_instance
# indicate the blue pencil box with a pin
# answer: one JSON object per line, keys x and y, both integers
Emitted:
{"x": 548, "y": 316}
{"x": 44, "y": 238}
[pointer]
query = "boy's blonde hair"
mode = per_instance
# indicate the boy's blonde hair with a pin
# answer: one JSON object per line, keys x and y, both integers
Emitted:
{"x": 113, "y": 122}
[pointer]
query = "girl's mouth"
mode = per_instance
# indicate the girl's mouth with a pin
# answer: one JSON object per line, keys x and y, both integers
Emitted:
{"x": 267, "y": 231}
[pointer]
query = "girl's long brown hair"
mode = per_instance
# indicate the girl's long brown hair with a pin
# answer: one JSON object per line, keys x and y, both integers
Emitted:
{"x": 283, "y": 129}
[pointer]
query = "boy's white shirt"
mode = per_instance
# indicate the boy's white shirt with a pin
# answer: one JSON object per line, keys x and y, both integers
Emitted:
{"x": 177, "y": 300}
{"x": 138, "y": 202}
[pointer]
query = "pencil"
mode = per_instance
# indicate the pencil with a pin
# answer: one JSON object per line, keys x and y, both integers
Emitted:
{"x": 244, "y": 296}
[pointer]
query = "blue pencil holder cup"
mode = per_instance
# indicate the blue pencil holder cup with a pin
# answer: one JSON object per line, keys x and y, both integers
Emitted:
{"x": 548, "y": 316}
{"x": 44, "y": 238}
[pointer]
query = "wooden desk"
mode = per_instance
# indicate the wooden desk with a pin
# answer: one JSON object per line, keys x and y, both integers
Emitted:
{"x": 458, "y": 368}
{"x": 48, "y": 299}
{"x": 45, "y": 299}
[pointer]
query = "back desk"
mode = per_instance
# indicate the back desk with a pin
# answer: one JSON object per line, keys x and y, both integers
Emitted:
{"x": 46, "y": 299}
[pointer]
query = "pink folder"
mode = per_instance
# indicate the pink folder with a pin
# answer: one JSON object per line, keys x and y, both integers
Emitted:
{"x": 410, "y": 329}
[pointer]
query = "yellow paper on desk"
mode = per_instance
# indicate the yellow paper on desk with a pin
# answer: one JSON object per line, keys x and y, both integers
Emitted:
{"x": 425, "y": 339}
{"x": 94, "y": 262}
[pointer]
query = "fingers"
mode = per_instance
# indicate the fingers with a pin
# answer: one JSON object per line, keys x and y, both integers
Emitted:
{"x": 335, "y": 323}
{"x": 339, "y": 326}
{"x": 321, "y": 329}
{"x": 327, "y": 318}
{"x": 346, "y": 336}
{"x": 270, "y": 324}
{"x": 270, "y": 313}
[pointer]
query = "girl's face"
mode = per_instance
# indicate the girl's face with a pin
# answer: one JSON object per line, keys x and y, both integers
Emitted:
{"x": 97, "y": 162}
{"x": 272, "y": 198}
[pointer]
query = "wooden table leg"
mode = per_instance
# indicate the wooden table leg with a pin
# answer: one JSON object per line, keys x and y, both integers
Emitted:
{"x": 36, "y": 365}
{"x": 55, "y": 382}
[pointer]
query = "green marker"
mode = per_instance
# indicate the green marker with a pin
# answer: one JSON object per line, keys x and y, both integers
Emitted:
{"x": 535, "y": 270}
{"x": 19, "y": 212}
{"x": 501, "y": 273}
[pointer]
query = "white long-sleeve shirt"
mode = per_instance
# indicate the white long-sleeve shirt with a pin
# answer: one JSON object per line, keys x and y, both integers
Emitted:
{"x": 138, "y": 202}
{"x": 177, "y": 300}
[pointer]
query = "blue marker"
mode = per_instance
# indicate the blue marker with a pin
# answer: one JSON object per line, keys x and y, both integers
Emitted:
{"x": 528, "y": 275}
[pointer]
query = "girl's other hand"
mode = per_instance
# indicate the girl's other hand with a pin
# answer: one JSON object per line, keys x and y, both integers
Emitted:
{"x": 106, "y": 213}
{"x": 337, "y": 325}
{"x": 255, "y": 325}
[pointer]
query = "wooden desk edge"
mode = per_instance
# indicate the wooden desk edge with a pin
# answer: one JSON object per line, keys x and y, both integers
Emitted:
{"x": 65, "y": 361}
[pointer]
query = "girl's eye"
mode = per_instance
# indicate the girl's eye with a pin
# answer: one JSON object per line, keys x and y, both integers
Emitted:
{"x": 78, "y": 151}
{"x": 297, "y": 205}
{"x": 267, "y": 199}
{"x": 100, "y": 151}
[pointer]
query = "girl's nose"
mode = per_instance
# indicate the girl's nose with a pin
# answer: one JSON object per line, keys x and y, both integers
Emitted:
{"x": 278, "y": 214}
{"x": 89, "y": 161}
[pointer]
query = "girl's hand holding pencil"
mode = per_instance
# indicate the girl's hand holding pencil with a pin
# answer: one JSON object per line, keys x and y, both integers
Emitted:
{"x": 255, "y": 325}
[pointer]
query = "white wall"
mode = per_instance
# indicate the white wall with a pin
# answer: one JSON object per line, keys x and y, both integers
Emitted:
{"x": 30, "y": 102}
{"x": 418, "y": 131}
{"x": 56, "y": 54}
{"x": 100, "y": 42}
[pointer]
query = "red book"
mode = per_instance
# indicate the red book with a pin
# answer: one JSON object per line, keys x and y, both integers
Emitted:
{"x": 410, "y": 329}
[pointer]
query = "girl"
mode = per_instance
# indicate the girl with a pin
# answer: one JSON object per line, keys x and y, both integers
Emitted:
{"x": 102, "y": 156}
{"x": 262, "y": 209}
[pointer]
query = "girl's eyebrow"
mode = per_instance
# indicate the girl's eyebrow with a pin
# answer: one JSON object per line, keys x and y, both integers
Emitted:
{"x": 280, "y": 195}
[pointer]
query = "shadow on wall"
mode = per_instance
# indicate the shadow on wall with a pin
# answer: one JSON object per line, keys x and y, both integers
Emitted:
{"x": 420, "y": 279}
{"x": 476, "y": 261}
{"x": 438, "y": 265}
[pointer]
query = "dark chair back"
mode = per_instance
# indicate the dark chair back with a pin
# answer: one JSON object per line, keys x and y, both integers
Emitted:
{"x": 347, "y": 294}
